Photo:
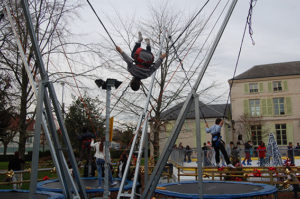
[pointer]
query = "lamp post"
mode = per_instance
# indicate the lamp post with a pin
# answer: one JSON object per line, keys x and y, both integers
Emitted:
{"x": 107, "y": 85}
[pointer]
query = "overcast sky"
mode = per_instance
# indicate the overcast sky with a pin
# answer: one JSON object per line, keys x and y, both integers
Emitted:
{"x": 275, "y": 24}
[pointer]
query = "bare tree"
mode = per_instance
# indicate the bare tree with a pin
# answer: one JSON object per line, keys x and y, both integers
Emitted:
{"x": 247, "y": 125}
{"x": 173, "y": 79}
{"x": 50, "y": 20}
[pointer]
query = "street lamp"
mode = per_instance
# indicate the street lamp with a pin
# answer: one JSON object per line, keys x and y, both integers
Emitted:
{"x": 107, "y": 85}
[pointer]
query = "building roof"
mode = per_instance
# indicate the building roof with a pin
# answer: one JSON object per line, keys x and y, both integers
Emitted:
{"x": 271, "y": 70}
{"x": 209, "y": 111}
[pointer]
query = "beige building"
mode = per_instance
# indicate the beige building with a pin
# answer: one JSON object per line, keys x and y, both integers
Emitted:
{"x": 187, "y": 135}
{"x": 266, "y": 99}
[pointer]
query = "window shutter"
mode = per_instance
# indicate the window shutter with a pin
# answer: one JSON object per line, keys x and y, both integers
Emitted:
{"x": 261, "y": 87}
{"x": 246, "y": 88}
{"x": 288, "y": 105}
{"x": 246, "y": 107}
{"x": 289, "y": 132}
{"x": 269, "y": 107}
{"x": 270, "y": 87}
{"x": 285, "y": 86}
{"x": 264, "y": 107}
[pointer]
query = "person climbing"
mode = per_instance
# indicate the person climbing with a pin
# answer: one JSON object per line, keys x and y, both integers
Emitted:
{"x": 217, "y": 142}
{"x": 142, "y": 66}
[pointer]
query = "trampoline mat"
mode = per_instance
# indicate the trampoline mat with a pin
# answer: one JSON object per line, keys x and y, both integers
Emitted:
{"x": 214, "y": 188}
{"x": 18, "y": 195}
{"x": 89, "y": 183}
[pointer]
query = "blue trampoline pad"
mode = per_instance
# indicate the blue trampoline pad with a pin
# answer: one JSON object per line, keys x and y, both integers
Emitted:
{"x": 216, "y": 189}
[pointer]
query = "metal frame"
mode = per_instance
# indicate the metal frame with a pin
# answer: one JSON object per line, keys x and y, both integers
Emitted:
{"x": 143, "y": 118}
{"x": 69, "y": 187}
{"x": 155, "y": 176}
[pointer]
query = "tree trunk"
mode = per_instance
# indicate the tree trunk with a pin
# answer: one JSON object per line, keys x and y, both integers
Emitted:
{"x": 23, "y": 114}
{"x": 5, "y": 148}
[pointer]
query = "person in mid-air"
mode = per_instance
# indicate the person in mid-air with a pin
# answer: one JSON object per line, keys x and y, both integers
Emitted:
{"x": 142, "y": 66}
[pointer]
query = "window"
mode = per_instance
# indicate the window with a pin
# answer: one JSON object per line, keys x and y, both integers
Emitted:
{"x": 281, "y": 136}
{"x": 256, "y": 134}
{"x": 254, "y": 107}
{"x": 253, "y": 87}
{"x": 278, "y": 104}
{"x": 277, "y": 86}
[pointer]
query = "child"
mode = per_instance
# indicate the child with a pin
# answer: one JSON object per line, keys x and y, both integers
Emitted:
{"x": 217, "y": 142}
{"x": 261, "y": 154}
{"x": 143, "y": 66}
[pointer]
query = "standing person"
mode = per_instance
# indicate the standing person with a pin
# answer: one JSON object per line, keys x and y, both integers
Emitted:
{"x": 248, "y": 149}
{"x": 217, "y": 142}
{"x": 121, "y": 165}
{"x": 291, "y": 153}
{"x": 188, "y": 153}
{"x": 180, "y": 146}
{"x": 297, "y": 149}
{"x": 205, "y": 157}
{"x": 16, "y": 164}
{"x": 210, "y": 154}
{"x": 261, "y": 153}
{"x": 143, "y": 66}
{"x": 100, "y": 161}
{"x": 229, "y": 147}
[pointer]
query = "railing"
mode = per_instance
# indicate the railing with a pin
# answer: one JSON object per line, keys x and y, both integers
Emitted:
{"x": 268, "y": 175}
{"x": 178, "y": 156}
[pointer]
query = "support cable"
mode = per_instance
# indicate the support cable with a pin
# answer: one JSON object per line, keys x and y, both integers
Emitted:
{"x": 101, "y": 23}
{"x": 248, "y": 22}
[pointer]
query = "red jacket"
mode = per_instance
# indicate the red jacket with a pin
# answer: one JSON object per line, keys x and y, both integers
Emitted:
{"x": 261, "y": 151}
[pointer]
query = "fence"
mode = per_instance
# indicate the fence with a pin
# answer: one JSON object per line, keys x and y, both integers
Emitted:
{"x": 179, "y": 155}
{"x": 267, "y": 175}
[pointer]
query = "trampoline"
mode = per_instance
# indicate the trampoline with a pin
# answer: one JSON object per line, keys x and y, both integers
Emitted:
{"x": 24, "y": 194}
{"x": 91, "y": 184}
{"x": 215, "y": 189}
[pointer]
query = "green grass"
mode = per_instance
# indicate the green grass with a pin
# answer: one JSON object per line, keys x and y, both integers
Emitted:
{"x": 26, "y": 176}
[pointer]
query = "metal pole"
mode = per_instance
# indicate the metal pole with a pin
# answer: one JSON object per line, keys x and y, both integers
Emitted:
{"x": 33, "y": 85}
{"x": 62, "y": 99}
{"x": 199, "y": 149}
{"x": 137, "y": 166}
{"x": 146, "y": 155}
{"x": 36, "y": 143}
{"x": 106, "y": 166}
{"x": 142, "y": 116}
{"x": 155, "y": 176}
{"x": 57, "y": 110}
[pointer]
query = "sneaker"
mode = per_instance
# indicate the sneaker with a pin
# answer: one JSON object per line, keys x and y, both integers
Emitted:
{"x": 140, "y": 37}
{"x": 231, "y": 166}
{"x": 218, "y": 165}
{"x": 113, "y": 183}
{"x": 147, "y": 40}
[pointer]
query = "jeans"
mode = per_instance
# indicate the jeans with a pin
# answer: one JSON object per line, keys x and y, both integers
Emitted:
{"x": 100, "y": 166}
{"x": 220, "y": 147}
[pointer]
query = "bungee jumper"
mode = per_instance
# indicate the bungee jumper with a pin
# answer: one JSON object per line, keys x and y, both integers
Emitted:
{"x": 217, "y": 141}
{"x": 141, "y": 65}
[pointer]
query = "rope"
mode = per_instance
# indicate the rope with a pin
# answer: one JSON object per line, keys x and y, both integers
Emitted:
{"x": 248, "y": 22}
{"x": 192, "y": 46}
{"x": 101, "y": 23}
{"x": 188, "y": 25}
{"x": 249, "y": 19}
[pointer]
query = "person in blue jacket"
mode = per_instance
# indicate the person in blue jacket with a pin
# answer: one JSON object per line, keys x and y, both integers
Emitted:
{"x": 217, "y": 141}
